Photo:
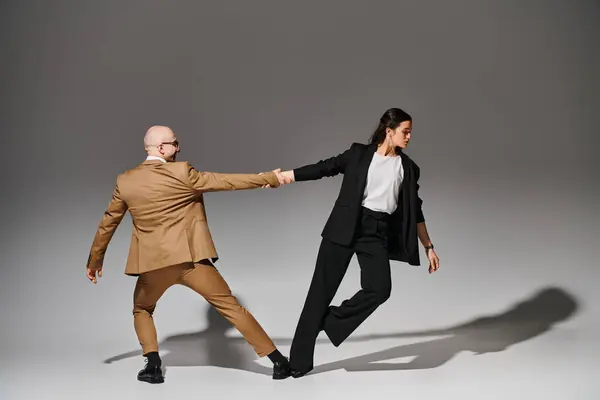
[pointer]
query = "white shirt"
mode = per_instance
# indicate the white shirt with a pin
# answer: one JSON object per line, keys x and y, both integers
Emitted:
{"x": 383, "y": 182}
{"x": 156, "y": 158}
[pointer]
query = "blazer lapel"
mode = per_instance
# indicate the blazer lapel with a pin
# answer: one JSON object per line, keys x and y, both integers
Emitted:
{"x": 363, "y": 167}
{"x": 405, "y": 170}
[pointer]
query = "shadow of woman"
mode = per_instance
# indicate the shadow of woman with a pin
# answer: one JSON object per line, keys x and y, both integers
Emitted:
{"x": 525, "y": 320}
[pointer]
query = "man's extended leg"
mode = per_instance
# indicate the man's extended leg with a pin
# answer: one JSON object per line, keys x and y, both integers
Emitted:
{"x": 204, "y": 279}
{"x": 149, "y": 288}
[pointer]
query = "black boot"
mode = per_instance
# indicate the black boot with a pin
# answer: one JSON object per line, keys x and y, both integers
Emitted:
{"x": 281, "y": 369}
{"x": 299, "y": 374}
{"x": 152, "y": 372}
{"x": 281, "y": 365}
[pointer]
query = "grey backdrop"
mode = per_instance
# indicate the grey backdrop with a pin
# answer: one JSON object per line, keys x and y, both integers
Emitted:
{"x": 504, "y": 97}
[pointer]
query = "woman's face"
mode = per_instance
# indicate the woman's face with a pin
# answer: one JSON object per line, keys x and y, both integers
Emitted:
{"x": 401, "y": 135}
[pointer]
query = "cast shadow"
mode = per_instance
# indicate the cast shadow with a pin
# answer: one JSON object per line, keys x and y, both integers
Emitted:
{"x": 208, "y": 347}
{"x": 494, "y": 333}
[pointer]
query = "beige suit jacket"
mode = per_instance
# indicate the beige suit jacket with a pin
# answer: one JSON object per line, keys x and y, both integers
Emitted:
{"x": 166, "y": 204}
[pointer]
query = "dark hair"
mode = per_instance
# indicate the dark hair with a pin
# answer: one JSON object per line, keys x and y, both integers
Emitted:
{"x": 390, "y": 119}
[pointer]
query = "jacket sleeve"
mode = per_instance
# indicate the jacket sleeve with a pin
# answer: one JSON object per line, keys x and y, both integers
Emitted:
{"x": 203, "y": 182}
{"x": 419, "y": 211}
{"x": 328, "y": 167}
{"x": 108, "y": 224}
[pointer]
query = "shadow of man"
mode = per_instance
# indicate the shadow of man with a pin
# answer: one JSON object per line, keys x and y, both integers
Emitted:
{"x": 209, "y": 347}
{"x": 525, "y": 320}
{"x": 495, "y": 333}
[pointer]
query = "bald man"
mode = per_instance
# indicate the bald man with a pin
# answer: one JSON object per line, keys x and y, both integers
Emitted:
{"x": 171, "y": 243}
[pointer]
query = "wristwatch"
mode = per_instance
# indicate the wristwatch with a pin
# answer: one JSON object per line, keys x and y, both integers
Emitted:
{"x": 427, "y": 248}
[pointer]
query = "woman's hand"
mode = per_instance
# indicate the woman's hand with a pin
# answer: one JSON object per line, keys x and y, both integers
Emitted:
{"x": 289, "y": 175}
{"x": 434, "y": 261}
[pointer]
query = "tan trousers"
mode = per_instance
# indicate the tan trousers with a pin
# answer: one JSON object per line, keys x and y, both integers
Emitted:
{"x": 204, "y": 279}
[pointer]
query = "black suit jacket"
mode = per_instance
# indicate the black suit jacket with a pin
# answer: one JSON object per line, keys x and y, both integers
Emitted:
{"x": 341, "y": 225}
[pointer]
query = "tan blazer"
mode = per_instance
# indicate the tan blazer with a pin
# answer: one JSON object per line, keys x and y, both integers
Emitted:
{"x": 167, "y": 209}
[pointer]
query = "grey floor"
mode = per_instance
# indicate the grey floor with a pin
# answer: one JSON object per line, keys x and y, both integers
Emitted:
{"x": 535, "y": 343}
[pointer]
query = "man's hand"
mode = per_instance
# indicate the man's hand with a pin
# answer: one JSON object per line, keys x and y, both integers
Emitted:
{"x": 434, "y": 261}
{"x": 91, "y": 274}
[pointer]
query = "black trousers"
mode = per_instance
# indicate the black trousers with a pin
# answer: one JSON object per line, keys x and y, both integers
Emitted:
{"x": 338, "y": 322}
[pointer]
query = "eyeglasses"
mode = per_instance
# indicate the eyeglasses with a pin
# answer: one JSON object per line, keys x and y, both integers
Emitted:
{"x": 173, "y": 143}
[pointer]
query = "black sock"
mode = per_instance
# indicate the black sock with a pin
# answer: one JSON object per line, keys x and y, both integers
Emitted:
{"x": 153, "y": 358}
{"x": 276, "y": 356}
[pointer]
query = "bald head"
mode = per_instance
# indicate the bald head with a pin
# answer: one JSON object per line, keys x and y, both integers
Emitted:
{"x": 156, "y": 135}
{"x": 160, "y": 141}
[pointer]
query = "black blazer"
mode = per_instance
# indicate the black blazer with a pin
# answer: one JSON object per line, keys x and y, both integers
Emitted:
{"x": 341, "y": 225}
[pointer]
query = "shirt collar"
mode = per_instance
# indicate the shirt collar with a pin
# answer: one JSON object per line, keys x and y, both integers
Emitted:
{"x": 156, "y": 158}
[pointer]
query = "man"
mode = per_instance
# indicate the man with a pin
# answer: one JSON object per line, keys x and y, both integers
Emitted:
{"x": 171, "y": 243}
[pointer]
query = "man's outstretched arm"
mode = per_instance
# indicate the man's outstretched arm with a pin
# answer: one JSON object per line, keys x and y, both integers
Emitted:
{"x": 213, "y": 182}
{"x": 108, "y": 224}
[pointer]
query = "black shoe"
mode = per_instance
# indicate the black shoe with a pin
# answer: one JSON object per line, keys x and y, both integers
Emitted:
{"x": 299, "y": 374}
{"x": 281, "y": 370}
{"x": 151, "y": 374}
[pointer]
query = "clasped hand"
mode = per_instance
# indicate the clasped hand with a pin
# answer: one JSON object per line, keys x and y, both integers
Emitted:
{"x": 284, "y": 178}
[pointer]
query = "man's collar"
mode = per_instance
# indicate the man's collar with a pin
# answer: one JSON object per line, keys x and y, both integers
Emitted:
{"x": 150, "y": 158}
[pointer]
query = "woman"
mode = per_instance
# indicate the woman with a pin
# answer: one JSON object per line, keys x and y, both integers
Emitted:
{"x": 378, "y": 217}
